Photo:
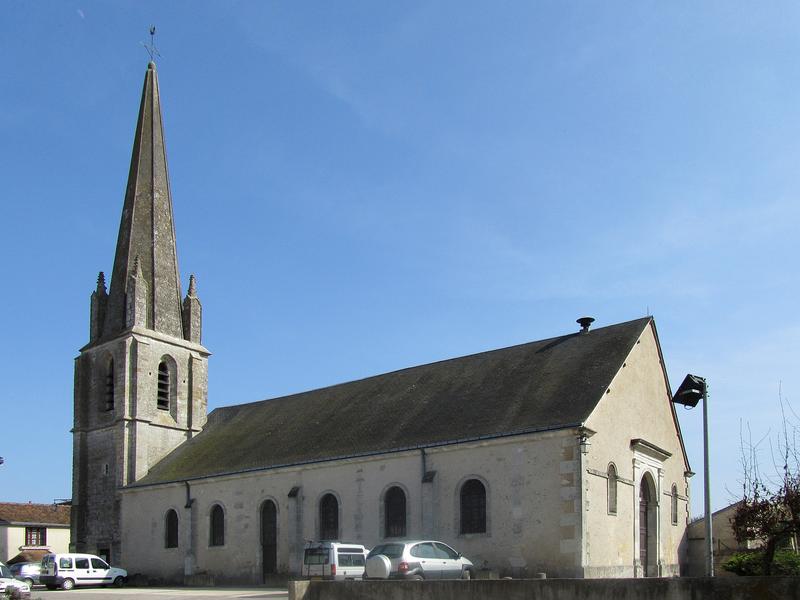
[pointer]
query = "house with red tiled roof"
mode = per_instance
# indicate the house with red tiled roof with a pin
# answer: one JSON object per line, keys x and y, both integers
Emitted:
{"x": 28, "y": 531}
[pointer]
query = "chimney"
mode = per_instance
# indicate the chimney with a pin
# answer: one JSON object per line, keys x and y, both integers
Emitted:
{"x": 585, "y": 323}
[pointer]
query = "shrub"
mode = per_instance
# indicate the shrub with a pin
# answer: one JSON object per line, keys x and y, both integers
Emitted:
{"x": 786, "y": 563}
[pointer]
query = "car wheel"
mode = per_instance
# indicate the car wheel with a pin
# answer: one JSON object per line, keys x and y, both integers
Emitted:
{"x": 466, "y": 574}
{"x": 119, "y": 582}
{"x": 67, "y": 584}
{"x": 29, "y": 581}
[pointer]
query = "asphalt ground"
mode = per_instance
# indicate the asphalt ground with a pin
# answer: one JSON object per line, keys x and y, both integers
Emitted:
{"x": 130, "y": 593}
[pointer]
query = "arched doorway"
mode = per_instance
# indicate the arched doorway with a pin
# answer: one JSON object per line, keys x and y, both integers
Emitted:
{"x": 269, "y": 539}
{"x": 648, "y": 527}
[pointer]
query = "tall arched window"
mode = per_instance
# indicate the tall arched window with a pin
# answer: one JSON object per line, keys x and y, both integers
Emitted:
{"x": 674, "y": 504}
{"x": 109, "y": 387}
{"x": 394, "y": 512}
{"x": 612, "y": 489}
{"x": 328, "y": 517}
{"x": 171, "y": 529}
{"x": 473, "y": 507}
{"x": 164, "y": 385}
{"x": 217, "y": 526}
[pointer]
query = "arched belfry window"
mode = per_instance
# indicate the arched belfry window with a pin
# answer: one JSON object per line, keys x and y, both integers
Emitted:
{"x": 108, "y": 392}
{"x": 674, "y": 505}
{"x": 217, "y": 526}
{"x": 165, "y": 384}
{"x": 473, "y": 507}
{"x": 612, "y": 489}
{"x": 394, "y": 506}
{"x": 171, "y": 529}
{"x": 328, "y": 517}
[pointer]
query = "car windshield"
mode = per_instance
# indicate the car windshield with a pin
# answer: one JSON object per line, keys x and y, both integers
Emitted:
{"x": 388, "y": 550}
{"x": 4, "y": 571}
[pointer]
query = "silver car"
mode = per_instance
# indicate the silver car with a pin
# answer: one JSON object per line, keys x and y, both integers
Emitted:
{"x": 9, "y": 585}
{"x": 417, "y": 559}
{"x": 27, "y": 572}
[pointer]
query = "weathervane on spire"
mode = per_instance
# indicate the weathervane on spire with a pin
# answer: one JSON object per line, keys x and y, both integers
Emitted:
{"x": 151, "y": 49}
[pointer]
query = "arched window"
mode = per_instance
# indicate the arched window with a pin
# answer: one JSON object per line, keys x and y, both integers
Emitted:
{"x": 394, "y": 512}
{"x": 164, "y": 386}
{"x": 612, "y": 489}
{"x": 328, "y": 517}
{"x": 171, "y": 529}
{"x": 109, "y": 387}
{"x": 473, "y": 507}
{"x": 674, "y": 504}
{"x": 217, "y": 526}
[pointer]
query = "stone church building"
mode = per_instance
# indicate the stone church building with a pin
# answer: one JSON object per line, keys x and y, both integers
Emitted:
{"x": 561, "y": 456}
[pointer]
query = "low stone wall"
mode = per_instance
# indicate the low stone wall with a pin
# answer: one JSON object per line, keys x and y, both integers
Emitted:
{"x": 740, "y": 588}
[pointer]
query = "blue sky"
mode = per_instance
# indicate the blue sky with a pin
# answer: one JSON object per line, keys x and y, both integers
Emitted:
{"x": 364, "y": 186}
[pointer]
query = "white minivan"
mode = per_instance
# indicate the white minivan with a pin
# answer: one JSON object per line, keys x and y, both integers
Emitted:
{"x": 334, "y": 560}
{"x": 68, "y": 570}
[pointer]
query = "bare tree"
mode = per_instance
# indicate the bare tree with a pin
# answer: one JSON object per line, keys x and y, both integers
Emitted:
{"x": 770, "y": 507}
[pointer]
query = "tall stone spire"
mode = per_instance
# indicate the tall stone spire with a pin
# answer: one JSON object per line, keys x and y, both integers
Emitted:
{"x": 147, "y": 230}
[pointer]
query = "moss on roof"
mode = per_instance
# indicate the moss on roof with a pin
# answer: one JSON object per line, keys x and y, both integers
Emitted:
{"x": 548, "y": 384}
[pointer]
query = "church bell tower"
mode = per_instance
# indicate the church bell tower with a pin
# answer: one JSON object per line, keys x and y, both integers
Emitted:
{"x": 141, "y": 383}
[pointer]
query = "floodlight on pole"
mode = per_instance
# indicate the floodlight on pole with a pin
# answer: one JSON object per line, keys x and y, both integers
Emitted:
{"x": 691, "y": 391}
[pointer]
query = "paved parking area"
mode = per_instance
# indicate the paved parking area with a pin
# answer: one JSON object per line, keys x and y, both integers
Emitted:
{"x": 130, "y": 593}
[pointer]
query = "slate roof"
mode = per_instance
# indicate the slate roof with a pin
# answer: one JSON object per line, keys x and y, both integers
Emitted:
{"x": 13, "y": 513}
{"x": 544, "y": 385}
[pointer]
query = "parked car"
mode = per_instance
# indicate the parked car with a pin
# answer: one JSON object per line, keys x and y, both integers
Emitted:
{"x": 68, "y": 570}
{"x": 418, "y": 559}
{"x": 334, "y": 560}
{"x": 26, "y": 571}
{"x": 8, "y": 583}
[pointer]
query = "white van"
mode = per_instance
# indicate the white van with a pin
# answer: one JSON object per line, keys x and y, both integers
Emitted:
{"x": 334, "y": 560}
{"x": 68, "y": 570}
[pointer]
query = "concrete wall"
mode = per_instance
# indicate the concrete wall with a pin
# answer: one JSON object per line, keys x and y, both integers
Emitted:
{"x": 743, "y": 588}
{"x": 637, "y": 405}
{"x": 532, "y": 509}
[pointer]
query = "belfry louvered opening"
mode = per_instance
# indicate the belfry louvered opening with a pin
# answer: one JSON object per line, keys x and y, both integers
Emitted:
{"x": 109, "y": 391}
{"x": 164, "y": 384}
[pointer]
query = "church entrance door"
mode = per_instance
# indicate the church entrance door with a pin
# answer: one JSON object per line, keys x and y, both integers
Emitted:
{"x": 644, "y": 501}
{"x": 269, "y": 539}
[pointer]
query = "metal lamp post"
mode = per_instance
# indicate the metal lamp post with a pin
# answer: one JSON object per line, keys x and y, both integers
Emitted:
{"x": 691, "y": 391}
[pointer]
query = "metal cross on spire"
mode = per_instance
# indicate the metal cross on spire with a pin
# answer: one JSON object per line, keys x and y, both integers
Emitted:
{"x": 151, "y": 48}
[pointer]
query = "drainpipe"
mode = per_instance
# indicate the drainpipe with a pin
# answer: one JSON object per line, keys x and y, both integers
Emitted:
{"x": 584, "y": 433}
{"x": 189, "y": 557}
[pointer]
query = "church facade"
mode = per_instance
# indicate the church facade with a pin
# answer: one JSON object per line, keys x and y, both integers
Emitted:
{"x": 561, "y": 456}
